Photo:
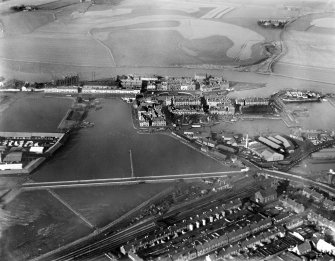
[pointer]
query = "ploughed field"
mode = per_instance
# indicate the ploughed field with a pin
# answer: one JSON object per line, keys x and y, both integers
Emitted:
{"x": 63, "y": 34}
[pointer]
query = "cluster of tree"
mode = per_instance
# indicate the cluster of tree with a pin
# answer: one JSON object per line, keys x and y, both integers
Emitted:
{"x": 169, "y": 116}
{"x": 272, "y": 23}
{"x": 19, "y": 8}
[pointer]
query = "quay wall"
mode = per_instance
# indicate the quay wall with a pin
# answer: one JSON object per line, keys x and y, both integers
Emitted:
{"x": 91, "y": 91}
{"x": 29, "y": 134}
{"x": 26, "y": 170}
{"x": 13, "y": 172}
{"x": 34, "y": 164}
{"x": 53, "y": 148}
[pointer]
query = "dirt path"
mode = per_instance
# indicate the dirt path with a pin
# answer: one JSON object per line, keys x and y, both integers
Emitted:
{"x": 104, "y": 45}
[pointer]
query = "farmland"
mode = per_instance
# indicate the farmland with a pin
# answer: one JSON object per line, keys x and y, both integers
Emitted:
{"x": 310, "y": 41}
{"x": 66, "y": 35}
{"x": 77, "y": 51}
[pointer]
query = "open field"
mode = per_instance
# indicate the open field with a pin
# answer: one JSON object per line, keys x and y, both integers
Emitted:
{"x": 156, "y": 49}
{"x": 310, "y": 42}
{"x": 328, "y": 22}
{"x": 35, "y": 223}
{"x": 5, "y": 5}
{"x": 136, "y": 33}
{"x": 25, "y": 22}
{"x": 77, "y": 51}
{"x": 102, "y": 205}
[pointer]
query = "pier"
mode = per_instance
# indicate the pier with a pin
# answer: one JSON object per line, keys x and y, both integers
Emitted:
{"x": 131, "y": 164}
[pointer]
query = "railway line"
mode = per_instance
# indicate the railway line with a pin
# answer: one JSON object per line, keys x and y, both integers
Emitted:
{"x": 121, "y": 181}
{"x": 111, "y": 241}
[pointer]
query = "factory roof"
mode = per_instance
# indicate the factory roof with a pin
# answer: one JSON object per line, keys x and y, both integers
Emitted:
{"x": 275, "y": 140}
{"x": 285, "y": 141}
{"x": 269, "y": 142}
{"x": 257, "y": 146}
{"x": 267, "y": 154}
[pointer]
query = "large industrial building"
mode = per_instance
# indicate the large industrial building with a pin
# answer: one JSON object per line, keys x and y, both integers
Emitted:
{"x": 271, "y": 148}
{"x": 265, "y": 152}
{"x": 269, "y": 143}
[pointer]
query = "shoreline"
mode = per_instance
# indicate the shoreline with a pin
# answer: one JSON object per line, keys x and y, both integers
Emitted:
{"x": 175, "y": 136}
{"x": 35, "y": 163}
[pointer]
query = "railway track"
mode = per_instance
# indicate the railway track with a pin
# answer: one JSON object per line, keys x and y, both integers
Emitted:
{"x": 104, "y": 243}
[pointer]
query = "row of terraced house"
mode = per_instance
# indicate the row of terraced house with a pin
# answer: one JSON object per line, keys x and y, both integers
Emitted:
{"x": 220, "y": 105}
{"x": 202, "y": 83}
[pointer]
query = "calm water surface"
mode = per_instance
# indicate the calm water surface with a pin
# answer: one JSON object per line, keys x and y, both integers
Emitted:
{"x": 102, "y": 151}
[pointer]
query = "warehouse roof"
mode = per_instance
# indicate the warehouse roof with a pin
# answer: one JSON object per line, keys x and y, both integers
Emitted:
{"x": 269, "y": 142}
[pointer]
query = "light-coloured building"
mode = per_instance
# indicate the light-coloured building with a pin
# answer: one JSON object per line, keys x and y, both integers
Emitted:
{"x": 269, "y": 143}
{"x": 144, "y": 124}
{"x": 159, "y": 122}
{"x": 270, "y": 155}
{"x": 10, "y": 166}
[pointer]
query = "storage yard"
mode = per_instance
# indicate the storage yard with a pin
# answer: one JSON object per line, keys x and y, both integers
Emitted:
{"x": 22, "y": 152}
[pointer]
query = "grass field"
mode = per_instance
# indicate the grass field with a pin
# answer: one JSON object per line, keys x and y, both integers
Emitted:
{"x": 102, "y": 205}
{"x": 35, "y": 223}
{"x": 25, "y": 22}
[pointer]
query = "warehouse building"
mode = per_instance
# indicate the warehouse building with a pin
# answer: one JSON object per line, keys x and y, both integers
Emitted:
{"x": 279, "y": 142}
{"x": 270, "y": 155}
{"x": 269, "y": 143}
{"x": 265, "y": 152}
{"x": 286, "y": 143}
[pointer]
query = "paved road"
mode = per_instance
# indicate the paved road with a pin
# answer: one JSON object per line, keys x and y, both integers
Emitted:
{"x": 109, "y": 241}
{"x": 122, "y": 181}
{"x": 294, "y": 177}
{"x": 308, "y": 152}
